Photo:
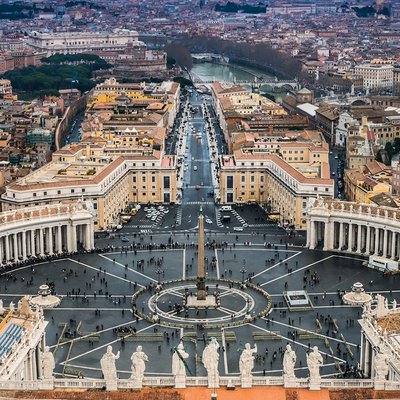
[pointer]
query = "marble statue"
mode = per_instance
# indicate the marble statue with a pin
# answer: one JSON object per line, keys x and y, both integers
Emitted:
{"x": 314, "y": 362}
{"x": 178, "y": 365}
{"x": 2, "y": 309}
{"x": 289, "y": 361}
{"x": 109, "y": 369}
{"x": 246, "y": 361}
{"x": 139, "y": 359}
{"x": 367, "y": 312}
{"x": 394, "y": 305}
{"x": 210, "y": 360}
{"x": 381, "y": 306}
{"x": 48, "y": 363}
{"x": 381, "y": 365}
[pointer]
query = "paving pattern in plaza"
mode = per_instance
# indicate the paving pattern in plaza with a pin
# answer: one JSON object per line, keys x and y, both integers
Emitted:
{"x": 96, "y": 292}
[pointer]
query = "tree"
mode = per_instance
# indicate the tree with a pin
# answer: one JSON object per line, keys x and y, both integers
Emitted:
{"x": 181, "y": 55}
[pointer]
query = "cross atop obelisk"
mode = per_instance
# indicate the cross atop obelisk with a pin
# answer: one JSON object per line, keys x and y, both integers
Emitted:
{"x": 201, "y": 275}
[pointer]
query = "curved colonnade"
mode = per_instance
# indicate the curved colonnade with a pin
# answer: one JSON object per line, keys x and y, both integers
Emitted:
{"x": 356, "y": 228}
{"x": 42, "y": 231}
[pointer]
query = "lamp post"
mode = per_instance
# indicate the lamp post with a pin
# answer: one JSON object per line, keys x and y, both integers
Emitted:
{"x": 243, "y": 272}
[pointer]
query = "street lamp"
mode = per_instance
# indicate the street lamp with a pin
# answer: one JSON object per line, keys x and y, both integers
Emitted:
{"x": 243, "y": 272}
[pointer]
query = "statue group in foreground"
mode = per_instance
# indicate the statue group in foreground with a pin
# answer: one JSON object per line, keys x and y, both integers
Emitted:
{"x": 210, "y": 360}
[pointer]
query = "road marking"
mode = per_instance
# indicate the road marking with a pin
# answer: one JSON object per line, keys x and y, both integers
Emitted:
{"x": 297, "y": 270}
{"x": 184, "y": 264}
{"x": 130, "y": 269}
{"x": 308, "y": 331}
{"x": 107, "y": 273}
{"x": 216, "y": 262}
{"x": 297, "y": 343}
{"x": 276, "y": 265}
{"x": 102, "y": 346}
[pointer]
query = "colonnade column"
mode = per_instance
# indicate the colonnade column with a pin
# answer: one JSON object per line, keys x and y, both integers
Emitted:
{"x": 341, "y": 235}
{"x": 393, "y": 247}
{"x": 23, "y": 245}
{"x": 41, "y": 242}
{"x": 367, "y": 244}
{"x": 350, "y": 238}
{"x": 88, "y": 237}
{"x": 326, "y": 236}
{"x": 359, "y": 230}
{"x": 385, "y": 243}
{"x": 7, "y": 239}
{"x": 33, "y": 249}
{"x": 376, "y": 241}
{"x": 15, "y": 245}
{"x": 59, "y": 239}
{"x": 313, "y": 232}
{"x": 50, "y": 240}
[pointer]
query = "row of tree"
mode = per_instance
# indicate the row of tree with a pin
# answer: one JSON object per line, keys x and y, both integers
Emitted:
{"x": 47, "y": 79}
{"x": 261, "y": 56}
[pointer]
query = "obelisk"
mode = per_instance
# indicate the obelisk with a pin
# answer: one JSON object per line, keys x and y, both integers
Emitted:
{"x": 201, "y": 274}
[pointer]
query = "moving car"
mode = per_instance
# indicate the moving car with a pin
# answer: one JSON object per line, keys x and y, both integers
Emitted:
{"x": 125, "y": 239}
{"x": 208, "y": 221}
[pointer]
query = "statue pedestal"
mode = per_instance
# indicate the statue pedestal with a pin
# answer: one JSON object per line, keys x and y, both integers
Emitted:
{"x": 46, "y": 384}
{"x": 213, "y": 383}
{"x": 137, "y": 384}
{"x": 315, "y": 384}
{"x": 180, "y": 382}
{"x": 289, "y": 381}
{"x": 111, "y": 386}
{"x": 379, "y": 385}
{"x": 246, "y": 381}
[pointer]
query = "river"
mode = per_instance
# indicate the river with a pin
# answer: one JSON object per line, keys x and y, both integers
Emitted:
{"x": 211, "y": 71}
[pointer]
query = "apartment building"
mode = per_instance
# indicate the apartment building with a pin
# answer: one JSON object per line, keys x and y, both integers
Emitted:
{"x": 375, "y": 76}
{"x": 87, "y": 171}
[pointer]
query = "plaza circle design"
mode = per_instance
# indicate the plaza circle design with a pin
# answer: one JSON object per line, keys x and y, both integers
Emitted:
{"x": 250, "y": 302}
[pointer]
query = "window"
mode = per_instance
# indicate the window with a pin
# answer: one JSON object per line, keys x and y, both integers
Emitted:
{"x": 262, "y": 178}
{"x": 44, "y": 193}
{"x": 243, "y": 178}
{"x": 83, "y": 190}
{"x": 144, "y": 178}
{"x": 72, "y": 190}
{"x": 58, "y": 191}
{"x": 252, "y": 178}
{"x": 167, "y": 183}
{"x": 153, "y": 179}
{"x": 229, "y": 182}
{"x": 134, "y": 179}
{"x": 34, "y": 194}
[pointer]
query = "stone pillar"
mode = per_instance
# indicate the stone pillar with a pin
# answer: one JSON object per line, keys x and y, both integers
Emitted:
{"x": 7, "y": 241}
{"x": 385, "y": 243}
{"x": 393, "y": 246}
{"x": 71, "y": 233}
{"x": 368, "y": 241}
{"x": 327, "y": 235}
{"x": 88, "y": 239}
{"x": 1, "y": 250}
{"x": 350, "y": 238}
{"x": 308, "y": 232}
{"x": 15, "y": 245}
{"x": 23, "y": 245}
{"x": 376, "y": 252}
{"x": 33, "y": 249}
{"x": 59, "y": 239}
{"x": 359, "y": 231}
{"x": 50, "y": 240}
{"x": 41, "y": 242}
{"x": 341, "y": 235}
{"x": 367, "y": 364}
{"x": 313, "y": 233}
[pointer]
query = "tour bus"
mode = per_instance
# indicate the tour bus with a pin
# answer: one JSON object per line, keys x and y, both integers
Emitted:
{"x": 383, "y": 264}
